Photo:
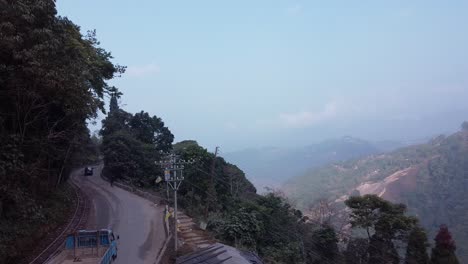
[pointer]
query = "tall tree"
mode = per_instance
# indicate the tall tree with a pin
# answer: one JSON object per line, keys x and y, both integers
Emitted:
{"x": 151, "y": 130}
{"x": 416, "y": 251}
{"x": 384, "y": 222}
{"x": 113, "y": 104}
{"x": 131, "y": 144}
{"x": 117, "y": 119}
{"x": 321, "y": 245}
{"x": 464, "y": 126}
{"x": 444, "y": 250}
{"x": 379, "y": 216}
{"x": 52, "y": 80}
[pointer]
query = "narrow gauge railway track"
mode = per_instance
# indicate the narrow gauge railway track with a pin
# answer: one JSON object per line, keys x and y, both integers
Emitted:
{"x": 77, "y": 222}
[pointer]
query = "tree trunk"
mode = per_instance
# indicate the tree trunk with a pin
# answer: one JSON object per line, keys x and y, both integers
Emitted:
{"x": 64, "y": 162}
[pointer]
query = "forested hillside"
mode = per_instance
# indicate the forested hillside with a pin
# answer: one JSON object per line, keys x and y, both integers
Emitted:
{"x": 52, "y": 80}
{"x": 431, "y": 179}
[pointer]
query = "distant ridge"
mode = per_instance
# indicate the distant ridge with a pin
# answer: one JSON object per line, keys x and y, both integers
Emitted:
{"x": 272, "y": 166}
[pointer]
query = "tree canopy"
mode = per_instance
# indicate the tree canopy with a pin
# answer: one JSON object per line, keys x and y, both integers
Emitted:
{"x": 444, "y": 250}
{"x": 384, "y": 223}
{"x": 52, "y": 80}
{"x": 464, "y": 126}
{"x": 416, "y": 251}
{"x": 379, "y": 217}
{"x": 132, "y": 143}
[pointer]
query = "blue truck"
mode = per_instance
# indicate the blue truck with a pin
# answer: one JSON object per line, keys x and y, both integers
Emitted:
{"x": 89, "y": 246}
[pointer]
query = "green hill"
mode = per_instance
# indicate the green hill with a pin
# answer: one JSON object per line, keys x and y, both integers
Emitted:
{"x": 431, "y": 179}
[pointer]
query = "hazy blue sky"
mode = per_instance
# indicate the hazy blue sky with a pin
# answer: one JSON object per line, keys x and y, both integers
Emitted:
{"x": 253, "y": 73}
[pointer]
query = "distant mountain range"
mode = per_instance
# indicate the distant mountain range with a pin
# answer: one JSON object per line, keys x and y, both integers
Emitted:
{"x": 431, "y": 179}
{"x": 272, "y": 166}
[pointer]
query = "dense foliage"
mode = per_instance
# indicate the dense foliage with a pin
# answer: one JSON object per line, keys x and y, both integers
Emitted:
{"x": 388, "y": 230}
{"x": 379, "y": 217}
{"x": 384, "y": 224}
{"x": 266, "y": 224}
{"x": 321, "y": 244}
{"x": 356, "y": 251}
{"x": 132, "y": 143}
{"x": 444, "y": 251}
{"x": 416, "y": 251}
{"x": 52, "y": 80}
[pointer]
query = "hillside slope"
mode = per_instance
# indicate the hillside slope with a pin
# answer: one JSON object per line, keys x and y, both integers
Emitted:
{"x": 273, "y": 166}
{"x": 431, "y": 178}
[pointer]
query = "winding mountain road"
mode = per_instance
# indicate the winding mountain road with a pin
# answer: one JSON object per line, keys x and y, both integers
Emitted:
{"x": 137, "y": 221}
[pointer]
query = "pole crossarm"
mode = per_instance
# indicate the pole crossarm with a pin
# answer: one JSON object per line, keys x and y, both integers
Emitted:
{"x": 174, "y": 175}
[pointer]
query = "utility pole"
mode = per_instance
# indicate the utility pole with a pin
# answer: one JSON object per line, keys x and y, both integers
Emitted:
{"x": 174, "y": 175}
{"x": 211, "y": 202}
{"x": 213, "y": 166}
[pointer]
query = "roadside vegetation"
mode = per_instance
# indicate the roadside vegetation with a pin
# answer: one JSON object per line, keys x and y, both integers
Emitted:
{"x": 52, "y": 80}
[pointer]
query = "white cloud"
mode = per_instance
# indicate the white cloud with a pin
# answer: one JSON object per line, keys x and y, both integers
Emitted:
{"x": 142, "y": 70}
{"x": 294, "y": 10}
{"x": 308, "y": 118}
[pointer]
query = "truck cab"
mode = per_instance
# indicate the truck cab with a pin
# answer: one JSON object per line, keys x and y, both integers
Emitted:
{"x": 89, "y": 246}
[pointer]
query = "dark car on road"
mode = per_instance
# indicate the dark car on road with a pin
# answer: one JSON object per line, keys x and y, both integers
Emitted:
{"x": 88, "y": 171}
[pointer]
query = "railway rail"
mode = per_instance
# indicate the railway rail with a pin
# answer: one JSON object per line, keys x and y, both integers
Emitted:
{"x": 77, "y": 222}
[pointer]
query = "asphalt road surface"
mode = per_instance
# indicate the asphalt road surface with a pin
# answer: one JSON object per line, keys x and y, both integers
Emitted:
{"x": 137, "y": 221}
